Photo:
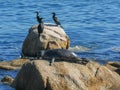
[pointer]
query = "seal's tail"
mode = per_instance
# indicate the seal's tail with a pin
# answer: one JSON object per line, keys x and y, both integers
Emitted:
{"x": 83, "y": 61}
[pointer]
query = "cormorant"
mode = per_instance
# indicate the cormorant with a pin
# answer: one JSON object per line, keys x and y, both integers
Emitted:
{"x": 56, "y": 19}
{"x": 40, "y": 26}
{"x": 37, "y": 16}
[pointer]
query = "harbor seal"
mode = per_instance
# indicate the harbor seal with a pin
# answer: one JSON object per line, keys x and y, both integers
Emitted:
{"x": 61, "y": 55}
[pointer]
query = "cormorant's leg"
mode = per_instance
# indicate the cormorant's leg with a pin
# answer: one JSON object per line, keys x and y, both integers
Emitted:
{"x": 52, "y": 61}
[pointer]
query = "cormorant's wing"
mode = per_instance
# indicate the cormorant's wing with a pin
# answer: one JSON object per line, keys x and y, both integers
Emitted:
{"x": 57, "y": 21}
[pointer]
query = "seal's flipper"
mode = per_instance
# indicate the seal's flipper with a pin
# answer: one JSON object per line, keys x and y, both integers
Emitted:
{"x": 52, "y": 61}
{"x": 83, "y": 61}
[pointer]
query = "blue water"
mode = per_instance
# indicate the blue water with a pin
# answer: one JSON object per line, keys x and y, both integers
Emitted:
{"x": 92, "y": 24}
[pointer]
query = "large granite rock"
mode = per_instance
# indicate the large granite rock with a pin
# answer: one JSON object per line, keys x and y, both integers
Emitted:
{"x": 52, "y": 37}
{"x": 38, "y": 75}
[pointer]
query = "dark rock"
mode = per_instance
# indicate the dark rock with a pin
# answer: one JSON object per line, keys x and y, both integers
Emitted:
{"x": 114, "y": 66}
{"x": 7, "y": 80}
{"x": 118, "y": 71}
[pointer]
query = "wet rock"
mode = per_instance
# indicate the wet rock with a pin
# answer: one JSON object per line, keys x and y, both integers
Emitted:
{"x": 13, "y": 65}
{"x": 114, "y": 66}
{"x": 18, "y": 62}
{"x": 52, "y": 37}
{"x": 117, "y": 71}
{"x": 38, "y": 75}
{"x": 7, "y": 80}
{"x": 7, "y": 66}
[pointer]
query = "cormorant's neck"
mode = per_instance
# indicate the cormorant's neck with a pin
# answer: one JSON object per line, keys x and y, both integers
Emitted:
{"x": 37, "y": 14}
{"x": 41, "y": 21}
{"x": 53, "y": 15}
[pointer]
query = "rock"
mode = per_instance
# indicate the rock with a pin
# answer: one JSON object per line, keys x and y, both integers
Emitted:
{"x": 38, "y": 75}
{"x": 53, "y": 37}
{"x": 6, "y": 66}
{"x": 117, "y": 71}
{"x": 18, "y": 62}
{"x": 114, "y": 66}
{"x": 13, "y": 65}
{"x": 7, "y": 80}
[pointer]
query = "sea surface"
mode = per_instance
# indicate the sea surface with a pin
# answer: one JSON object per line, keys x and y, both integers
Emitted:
{"x": 92, "y": 25}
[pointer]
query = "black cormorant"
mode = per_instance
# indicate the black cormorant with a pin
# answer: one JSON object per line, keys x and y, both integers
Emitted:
{"x": 40, "y": 26}
{"x": 37, "y": 16}
{"x": 56, "y": 19}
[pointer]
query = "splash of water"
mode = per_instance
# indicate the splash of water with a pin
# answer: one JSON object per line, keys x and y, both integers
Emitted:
{"x": 116, "y": 49}
{"x": 79, "y": 48}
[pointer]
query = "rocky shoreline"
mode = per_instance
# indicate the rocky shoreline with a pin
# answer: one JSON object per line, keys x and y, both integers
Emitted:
{"x": 37, "y": 74}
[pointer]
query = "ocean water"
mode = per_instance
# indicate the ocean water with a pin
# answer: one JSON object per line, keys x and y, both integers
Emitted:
{"x": 92, "y": 25}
